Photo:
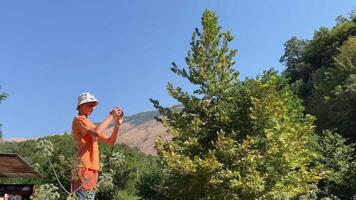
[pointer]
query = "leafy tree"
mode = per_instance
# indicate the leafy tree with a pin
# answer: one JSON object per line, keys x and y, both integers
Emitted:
{"x": 150, "y": 185}
{"x": 321, "y": 72}
{"x": 334, "y": 92}
{"x": 114, "y": 174}
{"x": 122, "y": 170}
{"x": 46, "y": 192}
{"x": 339, "y": 160}
{"x": 293, "y": 59}
{"x": 233, "y": 139}
{"x": 3, "y": 96}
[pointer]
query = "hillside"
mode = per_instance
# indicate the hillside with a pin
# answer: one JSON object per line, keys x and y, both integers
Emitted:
{"x": 140, "y": 130}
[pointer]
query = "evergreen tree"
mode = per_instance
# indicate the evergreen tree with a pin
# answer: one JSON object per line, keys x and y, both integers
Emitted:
{"x": 233, "y": 139}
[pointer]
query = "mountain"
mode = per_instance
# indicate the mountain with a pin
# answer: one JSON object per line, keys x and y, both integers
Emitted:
{"x": 140, "y": 130}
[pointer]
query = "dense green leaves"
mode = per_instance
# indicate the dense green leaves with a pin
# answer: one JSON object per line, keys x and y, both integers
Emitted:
{"x": 233, "y": 139}
{"x": 339, "y": 161}
{"x": 322, "y": 73}
{"x": 120, "y": 174}
{"x": 150, "y": 185}
{"x": 46, "y": 192}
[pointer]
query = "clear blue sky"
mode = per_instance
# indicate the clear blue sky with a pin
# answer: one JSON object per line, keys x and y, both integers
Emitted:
{"x": 51, "y": 51}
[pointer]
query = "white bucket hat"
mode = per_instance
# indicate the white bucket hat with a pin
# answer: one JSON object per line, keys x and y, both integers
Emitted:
{"x": 86, "y": 97}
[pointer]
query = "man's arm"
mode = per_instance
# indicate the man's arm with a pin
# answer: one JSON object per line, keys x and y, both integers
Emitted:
{"x": 112, "y": 139}
{"x": 95, "y": 132}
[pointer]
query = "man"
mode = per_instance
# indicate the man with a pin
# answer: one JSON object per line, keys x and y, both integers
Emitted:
{"x": 86, "y": 136}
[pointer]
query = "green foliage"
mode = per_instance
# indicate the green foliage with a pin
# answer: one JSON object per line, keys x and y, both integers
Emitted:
{"x": 3, "y": 96}
{"x": 322, "y": 72}
{"x": 293, "y": 57}
{"x": 335, "y": 155}
{"x": 123, "y": 195}
{"x": 44, "y": 148}
{"x": 122, "y": 165}
{"x": 150, "y": 185}
{"x": 46, "y": 192}
{"x": 339, "y": 160}
{"x": 55, "y": 158}
{"x": 233, "y": 139}
{"x": 334, "y": 92}
{"x": 55, "y": 167}
{"x": 113, "y": 176}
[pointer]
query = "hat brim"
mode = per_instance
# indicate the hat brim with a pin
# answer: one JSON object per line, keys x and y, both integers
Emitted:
{"x": 97, "y": 102}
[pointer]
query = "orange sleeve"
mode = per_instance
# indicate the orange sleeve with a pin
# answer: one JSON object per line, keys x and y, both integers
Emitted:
{"x": 80, "y": 126}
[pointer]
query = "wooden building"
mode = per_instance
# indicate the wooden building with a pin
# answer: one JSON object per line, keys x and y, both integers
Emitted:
{"x": 13, "y": 166}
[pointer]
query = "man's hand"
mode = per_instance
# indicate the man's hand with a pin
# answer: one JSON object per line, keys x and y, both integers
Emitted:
{"x": 116, "y": 112}
{"x": 119, "y": 119}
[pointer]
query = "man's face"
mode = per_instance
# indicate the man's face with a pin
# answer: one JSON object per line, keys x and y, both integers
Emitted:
{"x": 87, "y": 108}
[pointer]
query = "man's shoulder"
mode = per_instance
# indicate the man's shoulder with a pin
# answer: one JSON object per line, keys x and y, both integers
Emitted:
{"x": 80, "y": 118}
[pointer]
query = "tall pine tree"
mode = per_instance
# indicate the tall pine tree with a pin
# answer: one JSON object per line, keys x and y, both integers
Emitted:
{"x": 233, "y": 139}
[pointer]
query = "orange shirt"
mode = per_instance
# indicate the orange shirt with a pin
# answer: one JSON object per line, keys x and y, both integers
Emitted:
{"x": 87, "y": 146}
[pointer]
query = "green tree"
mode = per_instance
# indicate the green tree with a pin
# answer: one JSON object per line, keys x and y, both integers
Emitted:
{"x": 122, "y": 166}
{"x": 293, "y": 59}
{"x": 3, "y": 96}
{"x": 334, "y": 92}
{"x": 339, "y": 159}
{"x": 321, "y": 71}
{"x": 233, "y": 139}
{"x": 46, "y": 192}
{"x": 150, "y": 185}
